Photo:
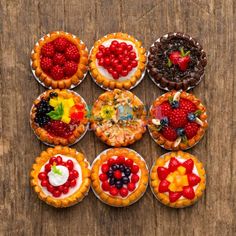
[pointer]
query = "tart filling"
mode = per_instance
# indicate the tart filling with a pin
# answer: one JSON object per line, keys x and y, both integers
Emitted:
{"x": 118, "y": 118}
{"x": 177, "y": 120}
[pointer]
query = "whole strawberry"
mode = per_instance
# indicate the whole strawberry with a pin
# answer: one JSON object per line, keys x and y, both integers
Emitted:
{"x": 72, "y": 53}
{"x": 47, "y": 50}
{"x": 57, "y": 72}
{"x": 60, "y": 44}
{"x": 163, "y": 110}
{"x": 169, "y": 133}
{"x": 187, "y": 105}
{"x": 191, "y": 129}
{"x": 70, "y": 68}
{"x": 178, "y": 118}
{"x": 46, "y": 64}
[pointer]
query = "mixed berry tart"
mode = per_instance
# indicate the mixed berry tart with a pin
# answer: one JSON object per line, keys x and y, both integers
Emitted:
{"x": 118, "y": 118}
{"x": 117, "y": 60}
{"x": 177, "y": 179}
{"x": 59, "y": 60}
{"x": 178, "y": 120}
{"x": 176, "y": 61}
{"x": 59, "y": 117}
{"x": 119, "y": 177}
{"x": 61, "y": 176}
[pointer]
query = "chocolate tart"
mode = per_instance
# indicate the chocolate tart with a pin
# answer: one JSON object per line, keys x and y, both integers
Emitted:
{"x": 177, "y": 120}
{"x": 176, "y": 61}
{"x": 177, "y": 179}
{"x": 59, "y": 60}
{"x": 61, "y": 176}
{"x": 118, "y": 118}
{"x": 119, "y": 177}
{"x": 117, "y": 60}
{"x": 59, "y": 117}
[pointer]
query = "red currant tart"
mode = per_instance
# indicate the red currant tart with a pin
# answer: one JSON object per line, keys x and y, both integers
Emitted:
{"x": 118, "y": 118}
{"x": 59, "y": 117}
{"x": 117, "y": 60}
{"x": 176, "y": 61}
{"x": 178, "y": 120}
{"x": 178, "y": 179}
{"x": 59, "y": 60}
{"x": 61, "y": 176}
{"x": 119, "y": 177}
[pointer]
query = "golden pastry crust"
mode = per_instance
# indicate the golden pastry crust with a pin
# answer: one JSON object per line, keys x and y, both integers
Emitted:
{"x": 130, "y": 133}
{"x": 154, "y": 180}
{"x": 112, "y": 84}
{"x": 72, "y": 199}
{"x": 44, "y": 136}
{"x": 70, "y": 82}
{"x": 113, "y": 200}
{"x": 184, "y": 144}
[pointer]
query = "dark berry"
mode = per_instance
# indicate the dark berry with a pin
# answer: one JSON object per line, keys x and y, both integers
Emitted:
{"x": 127, "y": 172}
{"x": 174, "y": 104}
{"x": 125, "y": 180}
{"x": 191, "y": 116}
{"x": 115, "y": 167}
{"x": 110, "y": 173}
{"x": 180, "y": 132}
{"x": 164, "y": 121}
{"x": 118, "y": 184}
{"x": 112, "y": 181}
{"x": 121, "y": 168}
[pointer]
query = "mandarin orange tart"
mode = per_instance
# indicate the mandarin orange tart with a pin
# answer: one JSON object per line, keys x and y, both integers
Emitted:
{"x": 118, "y": 118}
{"x": 178, "y": 120}
{"x": 59, "y": 117}
{"x": 59, "y": 60}
{"x": 117, "y": 60}
{"x": 178, "y": 179}
{"x": 119, "y": 177}
{"x": 61, "y": 176}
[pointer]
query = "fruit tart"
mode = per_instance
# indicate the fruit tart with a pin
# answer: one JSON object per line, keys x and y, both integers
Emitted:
{"x": 59, "y": 60}
{"x": 118, "y": 118}
{"x": 61, "y": 176}
{"x": 117, "y": 60}
{"x": 177, "y": 179}
{"x": 119, "y": 177}
{"x": 178, "y": 120}
{"x": 59, "y": 117}
{"x": 176, "y": 61}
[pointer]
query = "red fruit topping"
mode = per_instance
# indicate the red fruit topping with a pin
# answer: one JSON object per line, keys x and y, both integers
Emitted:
{"x": 47, "y": 50}
{"x": 111, "y": 162}
{"x": 173, "y": 164}
{"x": 59, "y": 59}
{"x": 75, "y": 173}
{"x": 61, "y": 188}
{"x": 73, "y": 182}
{"x": 79, "y": 106}
{"x": 44, "y": 183}
{"x": 187, "y": 105}
{"x": 134, "y": 178}
{"x": 61, "y": 44}
{"x": 191, "y": 129}
{"x": 113, "y": 191}
{"x": 169, "y": 133}
{"x": 50, "y": 188}
{"x": 72, "y": 53}
{"x": 46, "y": 63}
{"x": 129, "y": 163}
{"x": 188, "y": 165}
{"x": 164, "y": 110}
{"x": 70, "y": 68}
{"x": 105, "y": 186}
{"x": 103, "y": 177}
{"x": 67, "y": 184}
{"x": 134, "y": 169}
{"x": 71, "y": 175}
{"x": 70, "y": 164}
{"x": 120, "y": 160}
{"x": 163, "y": 186}
{"x": 174, "y": 57}
{"x": 124, "y": 192}
{"x": 188, "y": 192}
{"x": 42, "y": 175}
{"x": 57, "y": 72}
{"x": 65, "y": 190}
{"x": 58, "y": 160}
{"x": 178, "y": 118}
{"x": 56, "y": 193}
{"x": 162, "y": 172}
{"x": 117, "y": 174}
{"x": 105, "y": 168}
{"x": 193, "y": 179}
{"x": 59, "y": 128}
{"x": 131, "y": 186}
{"x": 174, "y": 196}
{"x": 183, "y": 63}
{"x": 52, "y": 160}
{"x": 47, "y": 167}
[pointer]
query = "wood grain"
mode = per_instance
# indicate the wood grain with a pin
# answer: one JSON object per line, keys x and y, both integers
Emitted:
{"x": 23, "y": 22}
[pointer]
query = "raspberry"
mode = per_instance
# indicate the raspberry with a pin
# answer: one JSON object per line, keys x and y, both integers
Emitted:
{"x": 46, "y": 63}
{"x": 178, "y": 118}
{"x": 191, "y": 129}
{"x": 47, "y": 50}
{"x": 59, "y": 59}
{"x": 57, "y": 72}
{"x": 72, "y": 53}
{"x": 70, "y": 68}
{"x": 169, "y": 133}
{"x": 187, "y": 105}
{"x": 61, "y": 44}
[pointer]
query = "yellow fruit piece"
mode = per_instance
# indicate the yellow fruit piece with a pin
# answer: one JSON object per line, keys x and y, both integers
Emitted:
{"x": 65, "y": 119}
{"x": 53, "y": 102}
{"x": 178, "y": 180}
{"x": 170, "y": 178}
{"x": 68, "y": 103}
{"x": 185, "y": 180}
{"x": 181, "y": 170}
{"x": 172, "y": 187}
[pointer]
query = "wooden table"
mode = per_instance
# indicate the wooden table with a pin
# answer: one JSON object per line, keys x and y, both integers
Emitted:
{"x": 23, "y": 22}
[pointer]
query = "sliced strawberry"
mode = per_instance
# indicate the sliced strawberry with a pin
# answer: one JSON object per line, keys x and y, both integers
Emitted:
{"x": 164, "y": 186}
{"x": 169, "y": 133}
{"x": 188, "y": 192}
{"x": 187, "y": 105}
{"x": 191, "y": 129}
{"x": 174, "y": 57}
{"x": 193, "y": 179}
{"x": 174, "y": 196}
{"x": 188, "y": 165}
{"x": 173, "y": 164}
{"x": 183, "y": 63}
{"x": 162, "y": 172}
{"x": 178, "y": 118}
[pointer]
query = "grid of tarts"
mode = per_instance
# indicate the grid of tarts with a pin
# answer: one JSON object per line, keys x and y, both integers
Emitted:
{"x": 75, "y": 197}
{"x": 114, "y": 200}
{"x": 108, "y": 84}
{"x": 50, "y": 140}
{"x": 69, "y": 82}
{"x": 155, "y": 181}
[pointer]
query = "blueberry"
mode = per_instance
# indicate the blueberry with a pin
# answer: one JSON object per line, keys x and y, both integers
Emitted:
{"x": 180, "y": 132}
{"x": 112, "y": 181}
{"x": 118, "y": 184}
{"x": 127, "y": 172}
{"x": 175, "y": 104}
{"x": 164, "y": 121}
{"x": 125, "y": 180}
{"x": 121, "y": 167}
{"x": 115, "y": 167}
{"x": 110, "y": 173}
{"x": 191, "y": 116}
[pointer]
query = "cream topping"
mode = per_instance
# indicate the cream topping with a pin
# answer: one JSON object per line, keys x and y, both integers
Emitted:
{"x": 60, "y": 177}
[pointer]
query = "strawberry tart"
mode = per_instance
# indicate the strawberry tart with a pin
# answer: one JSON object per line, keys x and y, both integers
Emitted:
{"x": 59, "y": 60}
{"x": 176, "y": 61}
{"x": 117, "y": 60}
{"x": 178, "y": 120}
{"x": 177, "y": 179}
{"x": 119, "y": 177}
{"x": 59, "y": 117}
{"x": 61, "y": 176}
{"x": 118, "y": 118}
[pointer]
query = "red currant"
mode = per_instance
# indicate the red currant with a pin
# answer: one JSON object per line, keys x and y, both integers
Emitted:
{"x": 115, "y": 42}
{"x": 132, "y": 55}
{"x": 44, "y": 183}
{"x": 42, "y": 175}
{"x": 120, "y": 160}
{"x": 107, "y": 51}
{"x": 47, "y": 167}
{"x": 119, "y": 68}
{"x": 105, "y": 186}
{"x": 124, "y": 192}
{"x": 111, "y": 162}
{"x": 112, "y": 47}
{"x": 129, "y": 163}
{"x": 101, "y": 62}
{"x": 56, "y": 193}
{"x": 107, "y": 61}
{"x": 103, "y": 177}
{"x": 131, "y": 187}
{"x": 120, "y": 58}
{"x": 99, "y": 55}
{"x": 67, "y": 184}
{"x": 73, "y": 182}
{"x": 134, "y": 169}
{"x": 71, "y": 175}
{"x": 115, "y": 75}
{"x": 70, "y": 164}
{"x": 61, "y": 188}
{"x": 117, "y": 174}
{"x": 50, "y": 188}
{"x": 65, "y": 190}
{"x": 105, "y": 168}
{"x": 52, "y": 160}
{"x": 119, "y": 50}
{"x": 75, "y": 173}
{"x": 115, "y": 63}
{"x": 113, "y": 191}
{"x": 59, "y": 160}
{"x": 129, "y": 47}
{"x": 125, "y": 63}
{"x": 134, "y": 63}
{"x": 110, "y": 70}
{"x": 134, "y": 178}
{"x": 123, "y": 45}
{"x": 129, "y": 68}
{"x": 101, "y": 48}
{"x": 124, "y": 72}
